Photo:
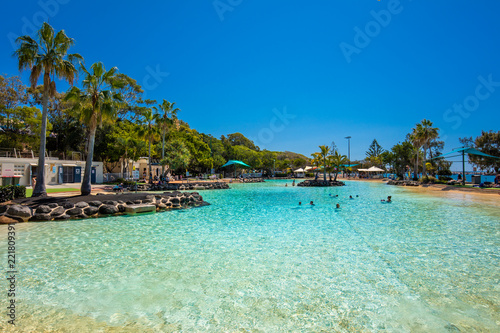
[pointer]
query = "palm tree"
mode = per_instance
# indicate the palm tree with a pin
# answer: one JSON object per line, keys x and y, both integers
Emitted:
{"x": 324, "y": 153}
{"x": 416, "y": 140}
{"x": 149, "y": 130}
{"x": 97, "y": 102}
{"x": 165, "y": 119}
{"x": 337, "y": 162}
{"x": 47, "y": 54}
{"x": 316, "y": 161}
{"x": 427, "y": 135}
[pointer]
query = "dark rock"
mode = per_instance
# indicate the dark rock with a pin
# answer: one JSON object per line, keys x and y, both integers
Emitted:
{"x": 110, "y": 202}
{"x": 95, "y": 203}
{"x": 175, "y": 201}
{"x": 3, "y": 208}
{"x": 58, "y": 211}
{"x": 74, "y": 211}
{"x": 121, "y": 208}
{"x": 148, "y": 201}
{"x": 108, "y": 209}
{"x": 68, "y": 205}
{"x": 53, "y": 205}
{"x": 162, "y": 206}
{"x": 81, "y": 204}
{"x": 137, "y": 202}
{"x": 130, "y": 202}
{"x": 43, "y": 209}
{"x": 121, "y": 202}
{"x": 19, "y": 211}
{"x": 41, "y": 217}
{"x": 91, "y": 210}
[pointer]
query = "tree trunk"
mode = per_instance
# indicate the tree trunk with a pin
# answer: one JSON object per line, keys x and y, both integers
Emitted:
{"x": 86, "y": 188}
{"x": 40, "y": 190}
{"x": 149, "y": 161}
{"x": 324, "y": 170}
{"x": 163, "y": 154}
{"x": 415, "y": 175}
{"x": 424, "y": 166}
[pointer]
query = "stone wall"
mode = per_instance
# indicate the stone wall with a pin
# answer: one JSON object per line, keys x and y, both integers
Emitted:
{"x": 312, "y": 183}
{"x": 64, "y": 210}
{"x": 182, "y": 186}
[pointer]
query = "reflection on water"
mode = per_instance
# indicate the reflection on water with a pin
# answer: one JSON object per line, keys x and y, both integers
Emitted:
{"x": 255, "y": 260}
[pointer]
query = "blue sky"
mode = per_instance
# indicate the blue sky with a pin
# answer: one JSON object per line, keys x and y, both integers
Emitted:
{"x": 291, "y": 75}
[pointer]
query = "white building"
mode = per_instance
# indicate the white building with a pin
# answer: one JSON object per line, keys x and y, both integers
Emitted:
{"x": 17, "y": 170}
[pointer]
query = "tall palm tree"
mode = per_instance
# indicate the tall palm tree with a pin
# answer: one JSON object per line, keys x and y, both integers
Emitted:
{"x": 148, "y": 130}
{"x": 47, "y": 54}
{"x": 316, "y": 161}
{"x": 427, "y": 135}
{"x": 337, "y": 162}
{"x": 324, "y": 153}
{"x": 416, "y": 140}
{"x": 166, "y": 118}
{"x": 95, "y": 103}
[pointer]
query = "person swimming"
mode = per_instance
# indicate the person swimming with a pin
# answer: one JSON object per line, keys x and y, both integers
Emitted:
{"x": 350, "y": 197}
{"x": 337, "y": 206}
{"x": 311, "y": 203}
{"x": 286, "y": 184}
{"x": 300, "y": 203}
{"x": 388, "y": 199}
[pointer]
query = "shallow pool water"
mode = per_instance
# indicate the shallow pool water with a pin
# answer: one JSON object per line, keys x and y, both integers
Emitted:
{"x": 255, "y": 261}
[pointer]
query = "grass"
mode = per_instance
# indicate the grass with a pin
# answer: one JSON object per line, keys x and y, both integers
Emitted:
{"x": 29, "y": 191}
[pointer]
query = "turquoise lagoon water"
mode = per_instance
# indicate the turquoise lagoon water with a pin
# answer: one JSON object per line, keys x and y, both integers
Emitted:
{"x": 255, "y": 261}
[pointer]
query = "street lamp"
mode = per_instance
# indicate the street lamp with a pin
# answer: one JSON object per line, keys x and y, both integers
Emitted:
{"x": 348, "y": 152}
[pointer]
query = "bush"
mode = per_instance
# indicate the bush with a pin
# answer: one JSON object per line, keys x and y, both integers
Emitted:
{"x": 10, "y": 192}
{"x": 428, "y": 179}
{"x": 446, "y": 172}
{"x": 309, "y": 174}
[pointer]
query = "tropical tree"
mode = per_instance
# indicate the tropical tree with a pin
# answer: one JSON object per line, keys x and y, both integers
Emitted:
{"x": 324, "y": 153}
{"x": 337, "y": 163}
{"x": 166, "y": 117}
{"x": 47, "y": 54}
{"x": 488, "y": 143}
{"x": 95, "y": 103}
{"x": 316, "y": 161}
{"x": 148, "y": 130}
{"x": 427, "y": 134}
{"x": 375, "y": 150}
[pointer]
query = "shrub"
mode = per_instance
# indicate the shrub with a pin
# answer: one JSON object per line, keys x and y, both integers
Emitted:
{"x": 10, "y": 192}
{"x": 428, "y": 179}
{"x": 309, "y": 174}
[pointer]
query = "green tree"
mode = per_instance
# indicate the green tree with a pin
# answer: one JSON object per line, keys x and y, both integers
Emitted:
{"x": 148, "y": 130}
{"x": 167, "y": 116}
{"x": 324, "y": 153}
{"x": 47, "y": 54}
{"x": 337, "y": 163}
{"x": 488, "y": 143}
{"x": 427, "y": 134}
{"x": 403, "y": 154}
{"x": 177, "y": 155}
{"x": 375, "y": 150}
{"x": 95, "y": 103}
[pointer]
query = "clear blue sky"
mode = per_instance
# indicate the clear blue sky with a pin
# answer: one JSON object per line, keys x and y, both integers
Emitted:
{"x": 230, "y": 63}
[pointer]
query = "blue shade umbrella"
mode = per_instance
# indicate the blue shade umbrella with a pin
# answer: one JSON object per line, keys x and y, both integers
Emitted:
{"x": 463, "y": 151}
{"x": 234, "y": 162}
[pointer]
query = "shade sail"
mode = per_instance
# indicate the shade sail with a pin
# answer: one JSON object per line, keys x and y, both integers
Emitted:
{"x": 231, "y": 162}
{"x": 299, "y": 170}
{"x": 349, "y": 165}
{"x": 471, "y": 151}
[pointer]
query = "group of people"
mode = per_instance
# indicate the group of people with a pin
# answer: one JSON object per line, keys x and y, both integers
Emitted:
{"x": 337, "y": 206}
{"x": 293, "y": 183}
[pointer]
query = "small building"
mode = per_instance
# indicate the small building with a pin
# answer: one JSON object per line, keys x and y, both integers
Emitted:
{"x": 19, "y": 170}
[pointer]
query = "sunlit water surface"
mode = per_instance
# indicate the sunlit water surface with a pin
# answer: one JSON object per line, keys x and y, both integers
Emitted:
{"x": 255, "y": 261}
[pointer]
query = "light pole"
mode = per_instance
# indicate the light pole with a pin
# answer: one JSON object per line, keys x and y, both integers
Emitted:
{"x": 348, "y": 151}
{"x": 274, "y": 169}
